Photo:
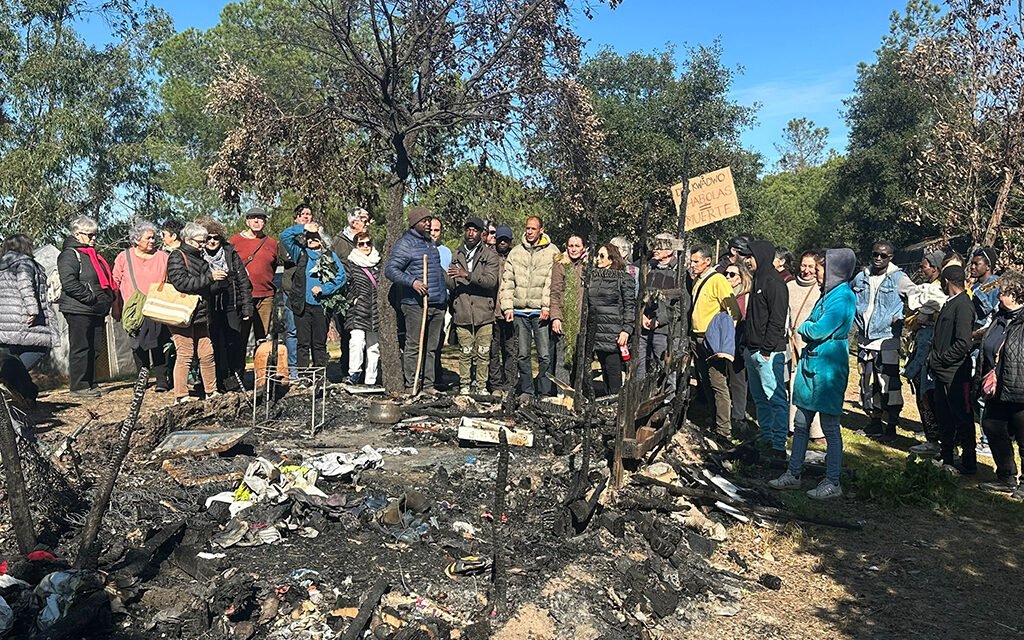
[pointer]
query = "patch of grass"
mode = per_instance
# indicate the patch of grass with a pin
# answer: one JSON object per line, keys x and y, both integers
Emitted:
{"x": 918, "y": 483}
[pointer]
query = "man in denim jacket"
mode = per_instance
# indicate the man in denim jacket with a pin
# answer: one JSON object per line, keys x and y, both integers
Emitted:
{"x": 881, "y": 289}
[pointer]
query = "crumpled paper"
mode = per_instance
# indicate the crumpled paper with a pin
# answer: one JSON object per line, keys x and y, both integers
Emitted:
{"x": 335, "y": 464}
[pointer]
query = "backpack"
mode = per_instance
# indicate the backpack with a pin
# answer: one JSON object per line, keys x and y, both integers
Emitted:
{"x": 54, "y": 289}
{"x": 131, "y": 314}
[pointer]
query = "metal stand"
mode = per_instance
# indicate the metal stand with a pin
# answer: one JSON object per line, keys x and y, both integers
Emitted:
{"x": 315, "y": 380}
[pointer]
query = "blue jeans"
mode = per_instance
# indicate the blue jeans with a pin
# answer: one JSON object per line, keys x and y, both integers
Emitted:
{"x": 833, "y": 443}
{"x": 767, "y": 382}
{"x": 528, "y": 330}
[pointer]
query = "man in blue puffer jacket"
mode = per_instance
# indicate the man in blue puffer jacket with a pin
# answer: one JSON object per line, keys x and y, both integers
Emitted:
{"x": 405, "y": 268}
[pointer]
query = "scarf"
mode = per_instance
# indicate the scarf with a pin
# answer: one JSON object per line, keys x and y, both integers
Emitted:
{"x": 470, "y": 256}
{"x": 361, "y": 259}
{"x": 99, "y": 265}
{"x": 216, "y": 260}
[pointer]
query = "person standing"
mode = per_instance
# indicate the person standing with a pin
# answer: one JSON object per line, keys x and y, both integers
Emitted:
{"x": 742, "y": 283}
{"x": 822, "y": 372}
{"x": 765, "y": 354}
{"x": 87, "y": 293}
{"x": 660, "y": 307}
{"x": 950, "y": 364}
{"x": 405, "y": 268}
{"x": 804, "y": 292}
{"x": 189, "y": 273}
{"x": 303, "y": 215}
{"x": 504, "y": 348}
{"x": 259, "y": 253}
{"x": 345, "y": 242}
{"x": 924, "y": 302}
{"x": 985, "y": 291}
{"x": 566, "y": 308}
{"x": 446, "y": 260}
{"x": 881, "y": 289}
{"x": 170, "y": 234}
{"x": 472, "y": 281}
{"x": 492, "y": 229}
{"x": 1002, "y": 351}
{"x": 712, "y": 295}
{"x": 362, "y": 320}
{"x": 137, "y": 269}
{"x": 230, "y": 306}
{"x": 782, "y": 263}
{"x": 525, "y": 299}
{"x": 28, "y": 325}
{"x": 611, "y": 313}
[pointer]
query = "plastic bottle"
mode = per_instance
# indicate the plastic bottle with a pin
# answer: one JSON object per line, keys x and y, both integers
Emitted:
{"x": 624, "y": 352}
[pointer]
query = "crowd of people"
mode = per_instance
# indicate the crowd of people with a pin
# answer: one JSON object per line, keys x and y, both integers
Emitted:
{"x": 758, "y": 326}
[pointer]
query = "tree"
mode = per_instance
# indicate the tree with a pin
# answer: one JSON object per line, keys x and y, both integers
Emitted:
{"x": 74, "y": 117}
{"x": 405, "y": 74}
{"x": 803, "y": 145}
{"x": 790, "y": 211}
{"x": 970, "y": 71}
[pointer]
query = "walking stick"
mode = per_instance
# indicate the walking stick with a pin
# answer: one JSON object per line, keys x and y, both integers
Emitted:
{"x": 423, "y": 332}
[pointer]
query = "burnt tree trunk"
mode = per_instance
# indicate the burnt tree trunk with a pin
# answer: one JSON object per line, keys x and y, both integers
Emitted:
{"x": 999, "y": 209}
{"x": 390, "y": 356}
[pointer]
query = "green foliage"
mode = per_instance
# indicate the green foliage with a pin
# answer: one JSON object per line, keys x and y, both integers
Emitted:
{"x": 919, "y": 483}
{"x": 803, "y": 145}
{"x": 791, "y": 212}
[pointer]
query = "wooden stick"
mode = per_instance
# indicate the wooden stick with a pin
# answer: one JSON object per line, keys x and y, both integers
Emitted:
{"x": 423, "y": 332}
{"x": 21, "y": 514}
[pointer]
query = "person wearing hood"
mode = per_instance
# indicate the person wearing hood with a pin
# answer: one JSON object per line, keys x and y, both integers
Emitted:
{"x": 765, "y": 354}
{"x": 362, "y": 321}
{"x": 881, "y": 290}
{"x": 87, "y": 293}
{"x": 566, "y": 307}
{"x": 804, "y": 292}
{"x": 311, "y": 288}
{"x": 525, "y": 299}
{"x": 823, "y": 371}
{"x": 472, "y": 279}
{"x": 405, "y": 268}
{"x": 231, "y": 305}
{"x": 501, "y": 371}
{"x": 189, "y": 273}
{"x": 28, "y": 325}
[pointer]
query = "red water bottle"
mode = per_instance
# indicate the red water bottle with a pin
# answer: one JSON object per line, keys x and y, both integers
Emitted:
{"x": 624, "y": 352}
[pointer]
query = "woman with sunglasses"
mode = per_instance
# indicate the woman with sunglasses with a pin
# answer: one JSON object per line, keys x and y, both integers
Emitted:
{"x": 612, "y": 308}
{"x": 742, "y": 282}
{"x": 362, "y": 320}
{"x": 230, "y": 305}
{"x": 87, "y": 292}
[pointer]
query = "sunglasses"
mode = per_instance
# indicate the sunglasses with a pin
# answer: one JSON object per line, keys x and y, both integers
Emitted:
{"x": 213, "y": 238}
{"x": 364, "y": 243}
{"x": 732, "y": 274}
{"x": 876, "y": 254}
{"x": 88, "y": 235}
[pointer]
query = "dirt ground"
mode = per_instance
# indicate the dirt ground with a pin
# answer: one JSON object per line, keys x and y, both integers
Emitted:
{"x": 911, "y": 572}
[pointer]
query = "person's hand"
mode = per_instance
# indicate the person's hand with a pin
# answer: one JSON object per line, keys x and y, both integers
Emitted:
{"x": 764, "y": 357}
{"x": 646, "y": 322}
{"x": 456, "y": 271}
{"x": 544, "y": 315}
{"x": 508, "y": 316}
{"x": 556, "y": 326}
{"x": 623, "y": 338}
{"x": 420, "y": 287}
{"x": 29, "y": 320}
{"x": 317, "y": 290}
{"x": 219, "y": 274}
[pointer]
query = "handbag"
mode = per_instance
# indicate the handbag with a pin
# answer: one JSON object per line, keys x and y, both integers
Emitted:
{"x": 167, "y": 305}
{"x": 131, "y": 314}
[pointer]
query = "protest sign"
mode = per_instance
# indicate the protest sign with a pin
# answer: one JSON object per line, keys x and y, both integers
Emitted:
{"x": 712, "y": 198}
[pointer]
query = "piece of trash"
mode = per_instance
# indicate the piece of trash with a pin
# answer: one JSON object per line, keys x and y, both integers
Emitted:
{"x": 873, "y": 568}
{"x": 205, "y": 555}
{"x": 487, "y": 515}
{"x": 336, "y": 464}
{"x": 299, "y": 574}
{"x": 37, "y": 556}
{"x": 464, "y": 528}
{"x": 470, "y": 460}
{"x": 772, "y": 582}
{"x": 198, "y": 442}
{"x": 477, "y": 430}
{"x": 660, "y": 471}
{"x": 10, "y": 581}
{"x": 57, "y": 592}
{"x": 728, "y": 609}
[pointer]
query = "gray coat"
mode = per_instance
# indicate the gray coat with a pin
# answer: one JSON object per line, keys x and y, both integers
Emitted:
{"x": 26, "y": 318}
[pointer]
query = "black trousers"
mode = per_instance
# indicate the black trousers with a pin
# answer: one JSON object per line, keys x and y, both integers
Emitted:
{"x": 611, "y": 370}
{"x": 956, "y": 421}
{"x": 502, "y": 372}
{"x": 311, "y": 332}
{"x": 85, "y": 336}
{"x": 1003, "y": 424}
{"x": 228, "y": 350}
{"x": 156, "y": 360}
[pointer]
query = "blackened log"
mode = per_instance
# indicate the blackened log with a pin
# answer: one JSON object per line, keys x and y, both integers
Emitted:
{"x": 21, "y": 514}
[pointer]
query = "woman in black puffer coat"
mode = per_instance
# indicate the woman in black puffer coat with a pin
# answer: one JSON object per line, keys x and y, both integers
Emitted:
{"x": 188, "y": 271}
{"x": 363, "y": 267}
{"x": 28, "y": 325}
{"x": 611, "y": 313}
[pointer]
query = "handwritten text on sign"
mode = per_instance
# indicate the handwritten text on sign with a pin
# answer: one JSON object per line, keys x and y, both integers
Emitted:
{"x": 712, "y": 198}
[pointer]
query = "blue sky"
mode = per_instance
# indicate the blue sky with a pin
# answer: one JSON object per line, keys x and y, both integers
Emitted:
{"x": 799, "y": 58}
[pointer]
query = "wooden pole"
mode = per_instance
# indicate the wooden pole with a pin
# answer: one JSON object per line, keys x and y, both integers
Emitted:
{"x": 416, "y": 386}
{"x": 21, "y": 514}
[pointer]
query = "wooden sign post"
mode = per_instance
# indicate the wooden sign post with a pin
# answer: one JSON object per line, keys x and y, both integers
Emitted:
{"x": 711, "y": 197}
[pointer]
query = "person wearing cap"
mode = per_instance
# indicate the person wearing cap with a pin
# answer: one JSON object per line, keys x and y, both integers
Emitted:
{"x": 566, "y": 307}
{"x": 949, "y": 362}
{"x": 501, "y": 372}
{"x": 525, "y": 298}
{"x": 472, "y": 282}
{"x": 660, "y": 307}
{"x": 404, "y": 268}
{"x": 259, "y": 254}
{"x": 881, "y": 289}
{"x": 737, "y": 249}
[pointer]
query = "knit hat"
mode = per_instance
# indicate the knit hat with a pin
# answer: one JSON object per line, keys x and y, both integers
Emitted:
{"x": 935, "y": 258}
{"x": 503, "y": 231}
{"x": 256, "y": 212}
{"x": 989, "y": 253}
{"x": 418, "y": 213}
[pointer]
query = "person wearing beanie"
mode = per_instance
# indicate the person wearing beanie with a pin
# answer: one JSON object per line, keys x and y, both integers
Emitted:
{"x": 881, "y": 289}
{"x": 501, "y": 371}
{"x": 472, "y": 280}
{"x": 405, "y": 269}
{"x": 950, "y": 364}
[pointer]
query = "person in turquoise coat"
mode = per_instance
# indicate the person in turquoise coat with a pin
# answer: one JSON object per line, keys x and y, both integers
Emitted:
{"x": 823, "y": 371}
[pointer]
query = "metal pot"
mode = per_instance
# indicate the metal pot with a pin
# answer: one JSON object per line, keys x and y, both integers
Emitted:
{"x": 384, "y": 412}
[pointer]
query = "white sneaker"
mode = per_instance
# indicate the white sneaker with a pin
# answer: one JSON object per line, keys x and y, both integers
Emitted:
{"x": 464, "y": 391}
{"x": 924, "y": 448}
{"x": 825, "y": 490}
{"x": 785, "y": 481}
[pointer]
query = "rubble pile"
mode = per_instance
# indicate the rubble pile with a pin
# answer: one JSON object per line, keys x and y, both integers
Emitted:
{"x": 219, "y": 528}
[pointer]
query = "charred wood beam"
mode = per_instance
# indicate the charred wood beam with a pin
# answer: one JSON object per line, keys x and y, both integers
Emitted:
{"x": 21, "y": 513}
{"x": 499, "y": 593}
{"x": 358, "y": 625}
